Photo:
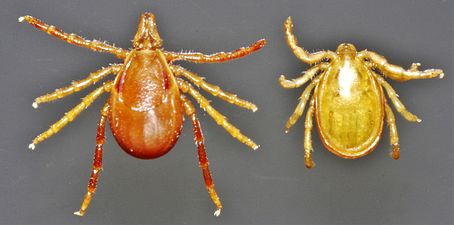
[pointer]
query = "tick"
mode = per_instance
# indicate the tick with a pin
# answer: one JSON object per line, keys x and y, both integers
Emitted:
{"x": 347, "y": 98}
{"x": 148, "y": 99}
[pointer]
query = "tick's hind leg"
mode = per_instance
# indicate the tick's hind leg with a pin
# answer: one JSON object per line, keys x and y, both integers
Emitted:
{"x": 75, "y": 39}
{"x": 301, "y": 104}
{"x": 394, "y": 138}
{"x": 396, "y": 102}
{"x": 216, "y": 57}
{"x": 77, "y": 85}
{"x": 97, "y": 161}
{"x": 396, "y": 72}
{"x": 218, "y": 117}
{"x": 203, "y": 160}
{"x": 308, "y": 137}
{"x": 212, "y": 89}
{"x": 300, "y": 53}
{"x": 71, "y": 115}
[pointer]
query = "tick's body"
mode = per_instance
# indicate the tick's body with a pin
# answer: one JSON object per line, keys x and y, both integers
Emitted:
{"x": 348, "y": 99}
{"x": 349, "y": 109}
{"x": 146, "y": 105}
{"x": 146, "y": 110}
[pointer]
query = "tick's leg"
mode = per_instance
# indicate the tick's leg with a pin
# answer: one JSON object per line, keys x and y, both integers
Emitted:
{"x": 396, "y": 102}
{"x": 77, "y": 85}
{"x": 75, "y": 39}
{"x": 298, "y": 82}
{"x": 97, "y": 161}
{"x": 216, "y": 57}
{"x": 301, "y": 104}
{"x": 396, "y": 72}
{"x": 71, "y": 115}
{"x": 300, "y": 53}
{"x": 218, "y": 117}
{"x": 394, "y": 138}
{"x": 307, "y": 136}
{"x": 212, "y": 89}
{"x": 203, "y": 160}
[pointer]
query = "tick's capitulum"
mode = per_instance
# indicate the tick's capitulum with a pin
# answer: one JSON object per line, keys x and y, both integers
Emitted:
{"x": 146, "y": 104}
{"x": 348, "y": 100}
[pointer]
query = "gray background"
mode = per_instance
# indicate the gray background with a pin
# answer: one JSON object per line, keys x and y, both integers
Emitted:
{"x": 270, "y": 186}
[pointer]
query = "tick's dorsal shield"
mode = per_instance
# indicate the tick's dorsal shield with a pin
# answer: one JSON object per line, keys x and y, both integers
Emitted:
{"x": 147, "y": 36}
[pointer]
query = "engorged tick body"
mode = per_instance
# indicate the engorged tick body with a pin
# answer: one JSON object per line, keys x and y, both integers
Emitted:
{"x": 147, "y": 100}
{"x": 348, "y": 99}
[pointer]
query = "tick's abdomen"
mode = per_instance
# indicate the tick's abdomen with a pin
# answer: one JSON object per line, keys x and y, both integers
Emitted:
{"x": 350, "y": 111}
{"x": 146, "y": 109}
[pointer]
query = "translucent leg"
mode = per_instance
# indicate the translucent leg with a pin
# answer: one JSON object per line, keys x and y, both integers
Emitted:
{"x": 216, "y": 57}
{"x": 71, "y": 115}
{"x": 396, "y": 72}
{"x": 75, "y": 39}
{"x": 203, "y": 160}
{"x": 308, "y": 137}
{"x": 396, "y": 102}
{"x": 300, "y": 53}
{"x": 298, "y": 82}
{"x": 218, "y": 117}
{"x": 212, "y": 89}
{"x": 301, "y": 104}
{"x": 394, "y": 138}
{"x": 77, "y": 85}
{"x": 97, "y": 161}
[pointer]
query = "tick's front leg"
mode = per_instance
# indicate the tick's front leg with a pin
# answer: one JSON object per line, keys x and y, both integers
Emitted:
{"x": 396, "y": 72}
{"x": 300, "y": 53}
{"x": 216, "y": 57}
{"x": 75, "y": 39}
{"x": 212, "y": 89}
{"x": 77, "y": 85}
{"x": 97, "y": 161}
{"x": 301, "y": 105}
{"x": 71, "y": 115}
{"x": 300, "y": 81}
{"x": 203, "y": 160}
{"x": 396, "y": 102}
{"x": 220, "y": 119}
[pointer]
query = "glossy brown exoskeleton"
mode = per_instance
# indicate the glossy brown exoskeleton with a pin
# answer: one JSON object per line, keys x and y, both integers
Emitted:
{"x": 146, "y": 104}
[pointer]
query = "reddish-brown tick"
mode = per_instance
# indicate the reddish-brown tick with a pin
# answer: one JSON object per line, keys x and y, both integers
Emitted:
{"x": 146, "y": 107}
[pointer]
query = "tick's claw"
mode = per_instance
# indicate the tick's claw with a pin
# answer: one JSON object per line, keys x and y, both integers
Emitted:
{"x": 441, "y": 75}
{"x": 78, "y": 213}
{"x": 396, "y": 152}
{"x": 217, "y": 212}
{"x": 35, "y": 105}
{"x": 309, "y": 163}
{"x": 31, "y": 146}
{"x": 21, "y": 19}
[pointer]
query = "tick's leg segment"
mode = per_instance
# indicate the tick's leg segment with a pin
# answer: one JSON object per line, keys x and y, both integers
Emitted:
{"x": 394, "y": 138}
{"x": 71, "y": 115}
{"x": 75, "y": 39}
{"x": 97, "y": 161}
{"x": 212, "y": 89}
{"x": 77, "y": 85}
{"x": 301, "y": 104}
{"x": 300, "y": 53}
{"x": 203, "y": 160}
{"x": 396, "y": 72}
{"x": 308, "y": 137}
{"x": 396, "y": 102}
{"x": 216, "y": 57}
{"x": 298, "y": 82}
{"x": 218, "y": 117}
